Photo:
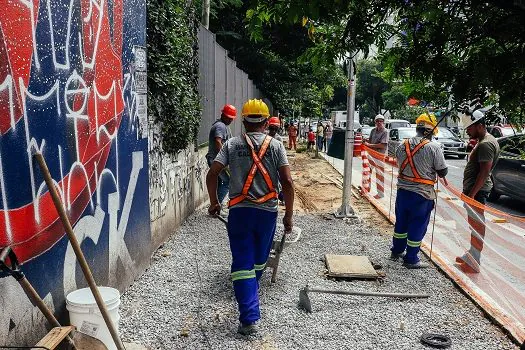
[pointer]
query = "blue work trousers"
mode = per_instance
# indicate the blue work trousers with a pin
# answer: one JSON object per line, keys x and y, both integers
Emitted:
{"x": 250, "y": 232}
{"x": 412, "y": 217}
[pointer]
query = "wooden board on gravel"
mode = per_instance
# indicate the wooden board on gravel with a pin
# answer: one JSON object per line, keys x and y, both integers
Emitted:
{"x": 350, "y": 266}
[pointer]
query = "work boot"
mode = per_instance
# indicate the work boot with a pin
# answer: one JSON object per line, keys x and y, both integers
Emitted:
{"x": 418, "y": 265}
{"x": 247, "y": 329}
{"x": 467, "y": 263}
{"x": 397, "y": 257}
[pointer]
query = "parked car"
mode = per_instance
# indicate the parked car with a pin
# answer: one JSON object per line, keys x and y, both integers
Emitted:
{"x": 501, "y": 131}
{"x": 452, "y": 144}
{"x": 397, "y": 123}
{"x": 396, "y": 137}
{"x": 508, "y": 175}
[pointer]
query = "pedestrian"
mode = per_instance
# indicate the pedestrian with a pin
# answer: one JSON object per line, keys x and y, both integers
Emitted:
{"x": 378, "y": 142}
{"x": 477, "y": 184}
{"x": 320, "y": 133}
{"x": 311, "y": 139}
{"x": 328, "y": 133}
{"x": 419, "y": 161}
{"x": 292, "y": 136}
{"x": 219, "y": 134}
{"x": 259, "y": 168}
{"x": 274, "y": 124}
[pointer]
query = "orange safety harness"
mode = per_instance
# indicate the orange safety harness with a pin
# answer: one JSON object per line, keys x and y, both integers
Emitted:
{"x": 410, "y": 161}
{"x": 257, "y": 165}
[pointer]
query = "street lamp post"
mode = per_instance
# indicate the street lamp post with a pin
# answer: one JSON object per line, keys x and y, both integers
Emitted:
{"x": 346, "y": 210}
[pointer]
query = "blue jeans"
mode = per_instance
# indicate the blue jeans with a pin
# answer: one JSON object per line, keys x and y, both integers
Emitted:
{"x": 250, "y": 232}
{"x": 412, "y": 217}
{"x": 320, "y": 143}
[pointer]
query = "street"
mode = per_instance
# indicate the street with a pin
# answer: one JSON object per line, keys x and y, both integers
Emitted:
{"x": 505, "y": 204}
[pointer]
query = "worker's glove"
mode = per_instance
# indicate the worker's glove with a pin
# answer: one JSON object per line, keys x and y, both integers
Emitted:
{"x": 214, "y": 209}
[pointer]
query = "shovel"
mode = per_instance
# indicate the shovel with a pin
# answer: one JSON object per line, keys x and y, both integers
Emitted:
{"x": 305, "y": 304}
{"x": 76, "y": 340}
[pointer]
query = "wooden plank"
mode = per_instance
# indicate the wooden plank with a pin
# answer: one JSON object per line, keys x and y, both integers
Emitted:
{"x": 350, "y": 266}
{"x": 55, "y": 337}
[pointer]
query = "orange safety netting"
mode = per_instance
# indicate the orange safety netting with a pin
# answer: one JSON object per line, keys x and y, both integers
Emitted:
{"x": 499, "y": 286}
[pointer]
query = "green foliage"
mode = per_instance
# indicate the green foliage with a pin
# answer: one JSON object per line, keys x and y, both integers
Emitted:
{"x": 370, "y": 87}
{"x": 173, "y": 71}
{"x": 459, "y": 48}
{"x": 275, "y": 63}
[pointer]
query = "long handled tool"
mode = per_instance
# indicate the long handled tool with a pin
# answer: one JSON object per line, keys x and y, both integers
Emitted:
{"x": 304, "y": 299}
{"x": 76, "y": 248}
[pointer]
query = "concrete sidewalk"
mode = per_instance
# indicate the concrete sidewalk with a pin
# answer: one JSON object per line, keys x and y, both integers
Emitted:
{"x": 185, "y": 299}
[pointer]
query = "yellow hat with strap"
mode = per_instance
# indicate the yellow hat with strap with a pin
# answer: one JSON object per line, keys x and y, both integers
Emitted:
{"x": 428, "y": 121}
{"x": 255, "y": 111}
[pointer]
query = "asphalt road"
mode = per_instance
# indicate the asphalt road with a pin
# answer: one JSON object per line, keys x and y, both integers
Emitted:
{"x": 504, "y": 203}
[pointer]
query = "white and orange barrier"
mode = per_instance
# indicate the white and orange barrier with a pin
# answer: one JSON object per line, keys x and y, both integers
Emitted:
{"x": 462, "y": 225}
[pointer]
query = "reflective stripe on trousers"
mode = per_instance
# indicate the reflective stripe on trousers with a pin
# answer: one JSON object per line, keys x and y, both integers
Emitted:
{"x": 250, "y": 232}
{"x": 412, "y": 218}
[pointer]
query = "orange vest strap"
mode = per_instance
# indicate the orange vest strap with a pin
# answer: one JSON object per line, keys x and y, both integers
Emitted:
{"x": 410, "y": 161}
{"x": 257, "y": 165}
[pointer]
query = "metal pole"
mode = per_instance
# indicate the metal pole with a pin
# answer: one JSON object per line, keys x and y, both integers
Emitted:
{"x": 206, "y": 14}
{"x": 346, "y": 210}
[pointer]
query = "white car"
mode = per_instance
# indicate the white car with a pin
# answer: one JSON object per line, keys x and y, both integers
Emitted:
{"x": 397, "y": 123}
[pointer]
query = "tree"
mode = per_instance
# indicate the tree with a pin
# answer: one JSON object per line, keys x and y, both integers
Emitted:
{"x": 292, "y": 85}
{"x": 370, "y": 88}
{"x": 463, "y": 48}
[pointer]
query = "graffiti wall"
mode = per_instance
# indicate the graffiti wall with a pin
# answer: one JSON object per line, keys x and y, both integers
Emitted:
{"x": 177, "y": 186}
{"x": 73, "y": 87}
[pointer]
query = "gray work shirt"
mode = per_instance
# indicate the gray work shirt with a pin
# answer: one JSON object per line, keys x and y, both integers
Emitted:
{"x": 236, "y": 154}
{"x": 428, "y": 161}
{"x": 218, "y": 129}
{"x": 377, "y": 136}
{"x": 487, "y": 150}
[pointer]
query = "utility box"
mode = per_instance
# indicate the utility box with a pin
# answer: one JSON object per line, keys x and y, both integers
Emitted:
{"x": 337, "y": 145}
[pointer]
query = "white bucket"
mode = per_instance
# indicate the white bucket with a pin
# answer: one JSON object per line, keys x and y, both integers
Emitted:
{"x": 85, "y": 315}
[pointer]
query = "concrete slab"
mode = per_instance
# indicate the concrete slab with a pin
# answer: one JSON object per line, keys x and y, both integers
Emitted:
{"x": 350, "y": 266}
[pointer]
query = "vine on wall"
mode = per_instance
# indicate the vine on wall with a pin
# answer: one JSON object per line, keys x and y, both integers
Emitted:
{"x": 173, "y": 71}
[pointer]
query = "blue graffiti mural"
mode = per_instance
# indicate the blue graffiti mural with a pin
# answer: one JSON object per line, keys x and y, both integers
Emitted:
{"x": 73, "y": 86}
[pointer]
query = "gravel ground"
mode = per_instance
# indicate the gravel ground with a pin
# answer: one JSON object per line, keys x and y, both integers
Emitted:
{"x": 185, "y": 299}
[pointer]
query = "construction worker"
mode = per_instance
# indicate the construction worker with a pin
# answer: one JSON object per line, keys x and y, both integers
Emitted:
{"x": 477, "y": 185}
{"x": 292, "y": 136}
{"x": 259, "y": 167}
{"x": 274, "y": 124}
{"x": 219, "y": 134}
{"x": 419, "y": 161}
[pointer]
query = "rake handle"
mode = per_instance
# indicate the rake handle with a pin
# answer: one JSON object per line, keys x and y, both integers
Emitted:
{"x": 78, "y": 251}
{"x": 371, "y": 294}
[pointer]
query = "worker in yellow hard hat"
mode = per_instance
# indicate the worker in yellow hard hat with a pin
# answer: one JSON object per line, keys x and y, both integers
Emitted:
{"x": 419, "y": 160}
{"x": 259, "y": 168}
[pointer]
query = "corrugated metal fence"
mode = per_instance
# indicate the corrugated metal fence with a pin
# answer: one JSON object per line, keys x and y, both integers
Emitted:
{"x": 220, "y": 83}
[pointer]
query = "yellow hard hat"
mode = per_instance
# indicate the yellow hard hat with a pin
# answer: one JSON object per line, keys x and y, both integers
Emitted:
{"x": 428, "y": 121}
{"x": 255, "y": 111}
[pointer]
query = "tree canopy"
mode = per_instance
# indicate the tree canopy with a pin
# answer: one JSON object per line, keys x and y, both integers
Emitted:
{"x": 273, "y": 62}
{"x": 462, "y": 48}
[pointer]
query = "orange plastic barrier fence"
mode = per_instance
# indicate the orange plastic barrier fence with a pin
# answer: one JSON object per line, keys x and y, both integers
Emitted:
{"x": 497, "y": 284}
